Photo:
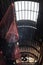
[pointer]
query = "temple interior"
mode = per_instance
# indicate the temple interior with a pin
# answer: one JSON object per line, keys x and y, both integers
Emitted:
{"x": 21, "y": 32}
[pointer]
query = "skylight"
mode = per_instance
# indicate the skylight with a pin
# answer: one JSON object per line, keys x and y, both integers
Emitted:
{"x": 26, "y": 10}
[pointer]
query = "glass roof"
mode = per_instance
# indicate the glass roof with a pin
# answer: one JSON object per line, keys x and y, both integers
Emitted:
{"x": 26, "y": 10}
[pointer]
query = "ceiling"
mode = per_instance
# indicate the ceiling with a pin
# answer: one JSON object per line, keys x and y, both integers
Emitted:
{"x": 25, "y": 32}
{"x": 39, "y": 32}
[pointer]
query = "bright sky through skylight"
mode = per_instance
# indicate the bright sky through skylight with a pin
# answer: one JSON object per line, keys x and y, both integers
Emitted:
{"x": 26, "y": 10}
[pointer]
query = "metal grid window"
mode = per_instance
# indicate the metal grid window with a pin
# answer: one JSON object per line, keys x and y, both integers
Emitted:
{"x": 26, "y": 10}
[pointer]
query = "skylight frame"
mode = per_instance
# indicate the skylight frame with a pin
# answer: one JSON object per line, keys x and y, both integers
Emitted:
{"x": 26, "y": 15}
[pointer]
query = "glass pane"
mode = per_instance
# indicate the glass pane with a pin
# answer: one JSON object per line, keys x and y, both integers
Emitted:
{"x": 16, "y": 6}
{"x": 35, "y": 6}
{"x": 17, "y": 16}
{"x": 29, "y": 5}
{"x": 19, "y": 5}
{"x": 22, "y": 5}
{"x": 20, "y": 15}
{"x": 25, "y": 5}
{"x": 25, "y": 15}
{"x": 28, "y": 15}
{"x": 35, "y": 16}
{"x": 32, "y": 8}
{"x": 32, "y": 15}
